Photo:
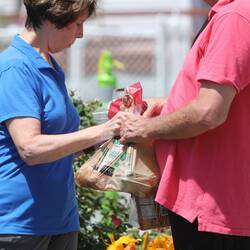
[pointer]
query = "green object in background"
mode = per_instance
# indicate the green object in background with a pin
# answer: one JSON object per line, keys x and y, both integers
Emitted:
{"x": 106, "y": 63}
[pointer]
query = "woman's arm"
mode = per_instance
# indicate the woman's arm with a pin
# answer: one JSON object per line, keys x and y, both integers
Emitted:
{"x": 36, "y": 148}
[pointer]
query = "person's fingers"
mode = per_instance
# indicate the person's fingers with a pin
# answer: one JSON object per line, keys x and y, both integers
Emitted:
{"x": 122, "y": 140}
{"x": 148, "y": 113}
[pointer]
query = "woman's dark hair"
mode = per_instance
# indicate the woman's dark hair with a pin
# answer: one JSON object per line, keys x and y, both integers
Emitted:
{"x": 59, "y": 12}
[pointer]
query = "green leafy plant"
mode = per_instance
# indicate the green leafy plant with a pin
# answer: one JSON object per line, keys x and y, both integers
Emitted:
{"x": 101, "y": 213}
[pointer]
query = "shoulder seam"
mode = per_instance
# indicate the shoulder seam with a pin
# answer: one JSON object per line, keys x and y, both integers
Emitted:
{"x": 234, "y": 12}
{"x": 20, "y": 65}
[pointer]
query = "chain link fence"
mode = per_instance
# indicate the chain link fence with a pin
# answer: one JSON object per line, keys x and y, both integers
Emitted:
{"x": 151, "y": 48}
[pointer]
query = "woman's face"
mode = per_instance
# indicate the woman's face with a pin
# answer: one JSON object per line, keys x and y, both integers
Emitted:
{"x": 59, "y": 39}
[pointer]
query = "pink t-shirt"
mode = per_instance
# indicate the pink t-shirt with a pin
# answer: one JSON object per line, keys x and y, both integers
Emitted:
{"x": 208, "y": 176}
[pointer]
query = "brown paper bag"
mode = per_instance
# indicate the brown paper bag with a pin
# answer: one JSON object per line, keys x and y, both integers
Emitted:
{"x": 122, "y": 168}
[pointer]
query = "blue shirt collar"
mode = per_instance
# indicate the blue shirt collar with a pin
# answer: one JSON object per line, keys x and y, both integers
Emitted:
{"x": 33, "y": 55}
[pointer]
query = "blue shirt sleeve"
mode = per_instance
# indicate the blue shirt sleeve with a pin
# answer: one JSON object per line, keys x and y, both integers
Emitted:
{"x": 19, "y": 94}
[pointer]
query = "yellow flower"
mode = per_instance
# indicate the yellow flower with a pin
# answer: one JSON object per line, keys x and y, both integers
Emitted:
{"x": 128, "y": 242}
{"x": 163, "y": 242}
{"x": 112, "y": 238}
{"x": 124, "y": 243}
{"x": 145, "y": 241}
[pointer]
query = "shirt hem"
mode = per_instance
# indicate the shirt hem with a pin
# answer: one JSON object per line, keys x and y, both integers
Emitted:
{"x": 15, "y": 115}
{"x": 190, "y": 215}
{"x": 214, "y": 228}
{"x": 203, "y": 225}
{"x": 22, "y": 231}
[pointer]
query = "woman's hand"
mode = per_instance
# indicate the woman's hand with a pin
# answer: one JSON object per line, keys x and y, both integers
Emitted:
{"x": 112, "y": 127}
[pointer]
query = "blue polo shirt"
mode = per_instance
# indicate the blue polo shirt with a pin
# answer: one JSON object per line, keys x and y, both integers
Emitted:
{"x": 41, "y": 199}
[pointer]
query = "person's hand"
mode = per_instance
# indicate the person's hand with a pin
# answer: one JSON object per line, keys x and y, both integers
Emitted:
{"x": 135, "y": 128}
{"x": 154, "y": 106}
{"x": 112, "y": 127}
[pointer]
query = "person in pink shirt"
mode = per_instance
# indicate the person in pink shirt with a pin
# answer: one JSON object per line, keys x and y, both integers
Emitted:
{"x": 202, "y": 135}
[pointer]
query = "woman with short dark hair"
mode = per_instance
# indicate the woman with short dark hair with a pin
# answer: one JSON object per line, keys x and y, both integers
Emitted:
{"x": 39, "y": 131}
{"x": 60, "y": 13}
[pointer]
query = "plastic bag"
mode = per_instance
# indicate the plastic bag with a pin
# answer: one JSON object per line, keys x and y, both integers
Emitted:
{"x": 122, "y": 168}
{"x": 131, "y": 101}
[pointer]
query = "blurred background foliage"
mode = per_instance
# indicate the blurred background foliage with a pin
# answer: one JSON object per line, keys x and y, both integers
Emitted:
{"x": 101, "y": 213}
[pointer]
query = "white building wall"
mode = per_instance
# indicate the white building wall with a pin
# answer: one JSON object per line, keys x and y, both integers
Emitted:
{"x": 143, "y": 5}
{"x": 9, "y": 7}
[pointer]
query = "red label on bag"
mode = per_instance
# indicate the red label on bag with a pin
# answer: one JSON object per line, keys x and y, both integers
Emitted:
{"x": 132, "y": 97}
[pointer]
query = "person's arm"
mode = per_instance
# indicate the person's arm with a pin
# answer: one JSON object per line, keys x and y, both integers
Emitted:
{"x": 36, "y": 148}
{"x": 208, "y": 111}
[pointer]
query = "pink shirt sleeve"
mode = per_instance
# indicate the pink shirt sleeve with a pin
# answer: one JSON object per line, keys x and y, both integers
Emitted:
{"x": 226, "y": 59}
